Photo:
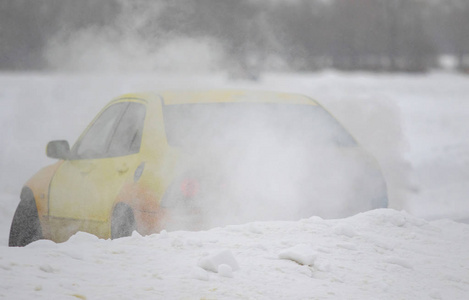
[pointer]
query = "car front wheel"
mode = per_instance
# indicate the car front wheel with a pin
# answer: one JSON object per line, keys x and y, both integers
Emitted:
{"x": 122, "y": 221}
{"x": 25, "y": 227}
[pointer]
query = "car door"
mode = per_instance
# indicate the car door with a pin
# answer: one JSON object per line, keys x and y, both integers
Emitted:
{"x": 83, "y": 191}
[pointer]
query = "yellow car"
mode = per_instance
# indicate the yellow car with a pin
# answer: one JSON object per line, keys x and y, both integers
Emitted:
{"x": 196, "y": 159}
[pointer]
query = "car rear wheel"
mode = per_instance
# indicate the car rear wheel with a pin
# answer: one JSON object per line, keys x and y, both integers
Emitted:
{"x": 25, "y": 227}
{"x": 122, "y": 222}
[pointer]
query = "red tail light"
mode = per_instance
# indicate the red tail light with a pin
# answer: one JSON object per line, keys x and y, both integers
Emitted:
{"x": 189, "y": 187}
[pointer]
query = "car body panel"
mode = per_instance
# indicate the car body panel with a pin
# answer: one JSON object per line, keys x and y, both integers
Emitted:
{"x": 83, "y": 191}
{"x": 39, "y": 185}
{"x": 223, "y": 96}
{"x": 87, "y": 189}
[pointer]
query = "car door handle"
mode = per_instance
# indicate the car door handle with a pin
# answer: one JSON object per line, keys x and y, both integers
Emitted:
{"x": 123, "y": 168}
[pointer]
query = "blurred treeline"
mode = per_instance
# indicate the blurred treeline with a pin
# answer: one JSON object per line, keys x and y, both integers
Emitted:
{"x": 301, "y": 35}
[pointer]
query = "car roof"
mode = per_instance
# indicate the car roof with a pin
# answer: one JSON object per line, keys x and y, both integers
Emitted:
{"x": 174, "y": 97}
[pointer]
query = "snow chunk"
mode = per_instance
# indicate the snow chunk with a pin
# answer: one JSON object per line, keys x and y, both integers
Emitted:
{"x": 177, "y": 243}
{"x": 323, "y": 266}
{"x": 386, "y": 245}
{"x": 46, "y": 268}
{"x": 213, "y": 261}
{"x": 398, "y": 220}
{"x": 83, "y": 237}
{"x": 316, "y": 219}
{"x": 194, "y": 242}
{"x": 136, "y": 235}
{"x": 347, "y": 246}
{"x": 200, "y": 274}
{"x": 45, "y": 244}
{"x": 342, "y": 229}
{"x": 225, "y": 270}
{"x": 389, "y": 216}
{"x": 399, "y": 261}
{"x": 164, "y": 234}
{"x": 73, "y": 252}
{"x": 254, "y": 228}
{"x": 301, "y": 253}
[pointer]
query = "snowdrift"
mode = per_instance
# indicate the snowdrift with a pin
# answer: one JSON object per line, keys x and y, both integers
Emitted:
{"x": 381, "y": 254}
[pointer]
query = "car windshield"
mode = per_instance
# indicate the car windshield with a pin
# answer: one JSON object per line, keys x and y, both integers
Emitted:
{"x": 252, "y": 124}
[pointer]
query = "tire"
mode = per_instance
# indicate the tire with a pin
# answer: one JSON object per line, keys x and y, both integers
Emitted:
{"x": 25, "y": 227}
{"x": 122, "y": 221}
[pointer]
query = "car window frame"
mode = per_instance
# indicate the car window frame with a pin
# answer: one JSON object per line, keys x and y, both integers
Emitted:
{"x": 142, "y": 126}
{"x": 127, "y": 102}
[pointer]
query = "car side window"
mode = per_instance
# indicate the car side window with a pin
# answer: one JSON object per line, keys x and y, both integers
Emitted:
{"x": 95, "y": 142}
{"x": 128, "y": 134}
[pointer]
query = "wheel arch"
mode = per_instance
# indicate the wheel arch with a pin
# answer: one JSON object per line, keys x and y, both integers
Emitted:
{"x": 144, "y": 203}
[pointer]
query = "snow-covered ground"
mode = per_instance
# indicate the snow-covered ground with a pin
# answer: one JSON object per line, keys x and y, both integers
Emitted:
{"x": 382, "y": 254}
{"x": 416, "y": 127}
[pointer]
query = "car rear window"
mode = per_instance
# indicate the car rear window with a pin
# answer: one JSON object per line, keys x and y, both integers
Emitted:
{"x": 252, "y": 124}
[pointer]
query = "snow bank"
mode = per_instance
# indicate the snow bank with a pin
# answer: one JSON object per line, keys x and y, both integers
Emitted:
{"x": 390, "y": 255}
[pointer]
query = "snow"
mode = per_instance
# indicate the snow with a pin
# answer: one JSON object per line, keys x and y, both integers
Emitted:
{"x": 392, "y": 255}
{"x": 301, "y": 253}
{"x": 223, "y": 260}
{"x": 416, "y": 127}
{"x": 225, "y": 270}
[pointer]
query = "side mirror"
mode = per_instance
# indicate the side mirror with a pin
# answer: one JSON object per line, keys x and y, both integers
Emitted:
{"x": 58, "y": 149}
